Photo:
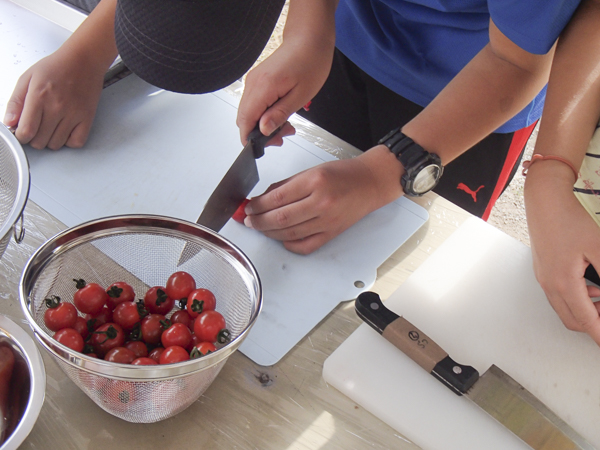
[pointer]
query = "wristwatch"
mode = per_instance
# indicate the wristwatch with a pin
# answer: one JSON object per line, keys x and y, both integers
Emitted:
{"x": 422, "y": 170}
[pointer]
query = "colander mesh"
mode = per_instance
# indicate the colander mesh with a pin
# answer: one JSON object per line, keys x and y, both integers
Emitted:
{"x": 143, "y": 257}
{"x": 9, "y": 184}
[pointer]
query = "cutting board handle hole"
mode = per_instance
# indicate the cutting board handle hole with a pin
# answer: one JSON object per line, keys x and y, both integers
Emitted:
{"x": 359, "y": 284}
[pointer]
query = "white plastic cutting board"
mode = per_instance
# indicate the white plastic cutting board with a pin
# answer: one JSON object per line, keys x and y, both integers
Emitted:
{"x": 156, "y": 152}
{"x": 477, "y": 297}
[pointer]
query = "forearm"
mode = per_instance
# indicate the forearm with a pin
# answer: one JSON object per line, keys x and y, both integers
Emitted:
{"x": 311, "y": 21}
{"x": 94, "y": 40}
{"x": 572, "y": 105}
{"x": 497, "y": 84}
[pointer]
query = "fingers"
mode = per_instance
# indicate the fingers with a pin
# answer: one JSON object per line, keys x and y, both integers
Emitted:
{"x": 576, "y": 310}
{"x": 15, "y": 104}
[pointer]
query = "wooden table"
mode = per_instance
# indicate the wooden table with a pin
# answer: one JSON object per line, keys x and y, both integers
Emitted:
{"x": 286, "y": 406}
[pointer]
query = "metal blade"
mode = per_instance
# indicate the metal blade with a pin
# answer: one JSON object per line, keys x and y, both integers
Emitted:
{"x": 233, "y": 189}
{"x": 229, "y": 194}
{"x": 518, "y": 410}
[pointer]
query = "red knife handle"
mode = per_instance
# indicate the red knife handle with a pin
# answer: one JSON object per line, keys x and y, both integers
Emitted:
{"x": 259, "y": 141}
{"x": 417, "y": 345}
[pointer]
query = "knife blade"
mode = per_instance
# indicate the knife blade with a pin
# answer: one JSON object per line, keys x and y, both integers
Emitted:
{"x": 495, "y": 391}
{"x": 233, "y": 189}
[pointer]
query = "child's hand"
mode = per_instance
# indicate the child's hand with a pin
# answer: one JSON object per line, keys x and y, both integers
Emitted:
{"x": 54, "y": 102}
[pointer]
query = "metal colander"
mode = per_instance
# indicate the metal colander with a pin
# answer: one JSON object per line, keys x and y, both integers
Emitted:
{"x": 14, "y": 188}
{"x": 143, "y": 251}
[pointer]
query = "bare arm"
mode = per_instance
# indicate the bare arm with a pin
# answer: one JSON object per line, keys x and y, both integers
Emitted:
{"x": 564, "y": 238}
{"x": 55, "y": 100}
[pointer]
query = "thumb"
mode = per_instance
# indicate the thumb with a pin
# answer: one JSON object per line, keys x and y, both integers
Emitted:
{"x": 15, "y": 104}
{"x": 278, "y": 113}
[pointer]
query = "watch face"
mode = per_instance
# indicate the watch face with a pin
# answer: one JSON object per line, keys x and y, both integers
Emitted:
{"x": 426, "y": 179}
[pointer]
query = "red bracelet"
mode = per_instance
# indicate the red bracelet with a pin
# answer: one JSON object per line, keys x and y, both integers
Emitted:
{"x": 538, "y": 157}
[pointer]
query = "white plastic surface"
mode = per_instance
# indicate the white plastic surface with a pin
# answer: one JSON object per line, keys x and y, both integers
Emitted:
{"x": 477, "y": 297}
{"x": 156, "y": 152}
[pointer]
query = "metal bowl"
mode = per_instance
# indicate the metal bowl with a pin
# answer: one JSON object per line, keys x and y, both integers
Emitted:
{"x": 14, "y": 188}
{"x": 30, "y": 375}
{"x": 142, "y": 250}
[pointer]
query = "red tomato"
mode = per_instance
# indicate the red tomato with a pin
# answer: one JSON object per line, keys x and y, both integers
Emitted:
{"x": 202, "y": 349}
{"x": 174, "y": 354}
{"x": 97, "y": 320}
{"x": 210, "y": 327}
{"x": 183, "y": 317}
{"x": 152, "y": 328}
{"x": 119, "y": 292}
{"x": 107, "y": 337}
{"x": 120, "y": 355}
{"x": 240, "y": 214}
{"x": 119, "y": 395}
{"x": 71, "y": 338}
{"x": 177, "y": 334}
{"x": 180, "y": 284}
{"x": 127, "y": 314}
{"x": 59, "y": 315}
{"x": 81, "y": 326}
{"x": 200, "y": 300}
{"x": 157, "y": 301}
{"x": 155, "y": 353}
{"x": 138, "y": 348}
{"x": 143, "y": 361}
{"x": 89, "y": 298}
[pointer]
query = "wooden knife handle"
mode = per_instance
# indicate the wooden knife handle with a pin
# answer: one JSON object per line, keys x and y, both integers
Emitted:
{"x": 417, "y": 345}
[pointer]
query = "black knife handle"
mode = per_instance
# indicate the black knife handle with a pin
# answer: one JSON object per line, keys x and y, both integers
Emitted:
{"x": 259, "y": 140}
{"x": 417, "y": 345}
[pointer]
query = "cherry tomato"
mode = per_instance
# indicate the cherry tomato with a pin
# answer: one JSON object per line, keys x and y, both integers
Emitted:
{"x": 210, "y": 326}
{"x": 89, "y": 298}
{"x": 81, "y": 326}
{"x": 240, "y": 214}
{"x": 119, "y": 395}
{"x": 97, "y": 320}
{"x": 174, "y": 354}
{"x": 127, "y": 314}
{"x": 143, "y": 361}
{"x": 155, "y": 353}
{"x": 69, "y": 337}
{"x": 138, "y": 348}
{"x": 119, "y": 292}
{"x": 177, "y": 334}
{"x": 200, "y": 300}
{"x": 120, "y": 355}
{"x": 152, "y": 328}
{"x": 157, "y": 301}
{"x": 180, "y": 284}
{"x": 183, "y": 317}
{"x": 59, "y": 315}
{"x": 202, "y": 349}
{"x": 107, "y": 337}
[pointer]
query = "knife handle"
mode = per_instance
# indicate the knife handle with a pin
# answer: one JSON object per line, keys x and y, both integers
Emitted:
{"x": 415, "y": 344}
{"x": 259, "y": 140}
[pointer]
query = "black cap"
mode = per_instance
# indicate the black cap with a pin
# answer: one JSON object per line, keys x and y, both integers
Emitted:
{"x": 193, "y": 46}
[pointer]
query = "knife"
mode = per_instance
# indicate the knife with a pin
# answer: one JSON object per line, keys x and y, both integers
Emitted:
{"x": 495, "y": 391}
{"x": 232, "y": 190}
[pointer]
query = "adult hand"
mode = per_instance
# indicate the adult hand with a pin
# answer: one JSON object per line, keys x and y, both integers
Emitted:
{"x": 54, "y": 102}
{"x": 564, "y": 241}
{"x": 314, "y": 206}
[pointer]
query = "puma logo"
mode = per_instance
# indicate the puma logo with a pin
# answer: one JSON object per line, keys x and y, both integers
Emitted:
{"x": 468, "y": 190}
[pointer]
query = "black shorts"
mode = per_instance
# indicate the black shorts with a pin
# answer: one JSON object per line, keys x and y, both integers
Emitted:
{"x": 359, "y": 110}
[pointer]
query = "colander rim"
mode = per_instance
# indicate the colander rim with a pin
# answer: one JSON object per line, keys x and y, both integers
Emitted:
{"x": 68, "y": 238}
{"x": 24, "y": 181}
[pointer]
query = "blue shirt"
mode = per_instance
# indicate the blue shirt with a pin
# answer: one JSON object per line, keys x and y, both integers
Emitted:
{"x": 416, "y": 47}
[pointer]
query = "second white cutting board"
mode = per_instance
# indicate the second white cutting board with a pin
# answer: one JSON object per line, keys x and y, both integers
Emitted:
{"x": 477, "y": 297}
